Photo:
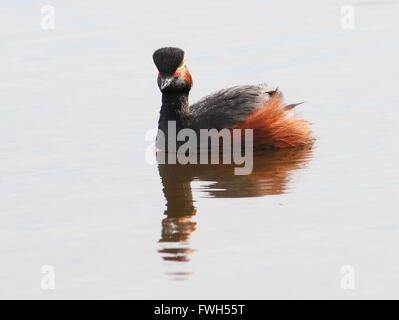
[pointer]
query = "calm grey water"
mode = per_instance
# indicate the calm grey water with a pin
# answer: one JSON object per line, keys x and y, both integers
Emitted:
{"x": 76, "y": 191}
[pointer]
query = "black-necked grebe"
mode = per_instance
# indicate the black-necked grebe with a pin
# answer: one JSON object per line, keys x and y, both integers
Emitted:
{"x": 256, "y": 107}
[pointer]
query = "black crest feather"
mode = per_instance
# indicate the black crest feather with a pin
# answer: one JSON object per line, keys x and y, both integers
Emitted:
{"x": 168, "y": 59}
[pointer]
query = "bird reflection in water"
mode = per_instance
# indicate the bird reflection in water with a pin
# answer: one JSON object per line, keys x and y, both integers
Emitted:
{"x": 270, "y": 176}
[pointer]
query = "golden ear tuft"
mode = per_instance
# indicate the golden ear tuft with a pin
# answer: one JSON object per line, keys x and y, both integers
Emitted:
{"x": 182, "y": 66}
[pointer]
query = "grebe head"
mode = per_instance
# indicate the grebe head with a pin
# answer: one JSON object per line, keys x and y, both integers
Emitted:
{"x": 173, "y": 74}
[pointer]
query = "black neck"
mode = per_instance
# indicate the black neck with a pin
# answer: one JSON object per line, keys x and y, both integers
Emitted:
{"x": 174, "y": 107}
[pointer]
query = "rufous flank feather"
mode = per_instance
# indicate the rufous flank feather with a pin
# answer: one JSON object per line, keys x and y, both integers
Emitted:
{"x": 276, "y": 126}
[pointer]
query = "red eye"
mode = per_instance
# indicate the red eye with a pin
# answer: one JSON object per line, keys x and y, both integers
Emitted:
{"x": 159, "y": 74}
{"x": 176, "y": 74}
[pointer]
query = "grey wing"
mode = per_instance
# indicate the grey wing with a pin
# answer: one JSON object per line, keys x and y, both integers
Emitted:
{"x": 227, "y": 107}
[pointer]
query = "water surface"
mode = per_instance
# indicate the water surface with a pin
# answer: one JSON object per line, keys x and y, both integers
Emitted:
{"x": 77, "y": 192}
